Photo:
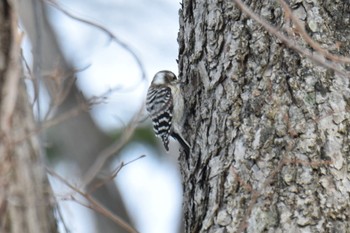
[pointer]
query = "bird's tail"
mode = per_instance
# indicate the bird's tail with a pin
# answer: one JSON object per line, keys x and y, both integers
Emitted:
{"x": 165, "y": 140}
{"x": 185, "y": 145}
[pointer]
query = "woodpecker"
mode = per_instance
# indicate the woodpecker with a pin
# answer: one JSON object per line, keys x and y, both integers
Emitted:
{"x": 165, "y": 105}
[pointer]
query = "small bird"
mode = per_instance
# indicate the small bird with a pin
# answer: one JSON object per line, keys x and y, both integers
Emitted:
{"x": 165, "y": 104}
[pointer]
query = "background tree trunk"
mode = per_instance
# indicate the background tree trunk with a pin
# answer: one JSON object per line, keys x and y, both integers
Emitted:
{"x": 26, "y": 201}
{"x": 77, "y": 140}
{"x": 268, "y": 127}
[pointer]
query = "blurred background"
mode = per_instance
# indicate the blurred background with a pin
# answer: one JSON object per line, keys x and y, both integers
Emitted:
{"x": 146, "y": 192}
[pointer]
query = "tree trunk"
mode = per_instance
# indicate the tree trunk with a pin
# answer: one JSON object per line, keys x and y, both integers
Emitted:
{"x": 25, "y": 195}
{"x": 268, "y": 127}
{"x": 52, "y": 68}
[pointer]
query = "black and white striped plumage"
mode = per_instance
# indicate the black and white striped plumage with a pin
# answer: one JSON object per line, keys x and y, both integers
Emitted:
{"x": 166, "y": 107}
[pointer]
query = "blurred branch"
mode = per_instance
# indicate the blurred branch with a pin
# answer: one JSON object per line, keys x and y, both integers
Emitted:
{"x": 288, "y": 42}
{"x": 31, "y": 77}
{"x": 112, "y": 149}
{"x": 10, "y": 80}
{"x": 93, "y": 204}
{"x": 60, "y": 217}
{"x": 77, "y": 139}
{"x": 106, "y": 31}
{"x": 84, "y": 106}
{"x": 115, "y": 172}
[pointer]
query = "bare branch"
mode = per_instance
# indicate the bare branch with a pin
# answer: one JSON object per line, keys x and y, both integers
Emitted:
{"x": 112, "y": 149}
{"x": 114, "y": 174}
{"x": 94, "y": 204}
{"x": 10, "y": 86}
{"x": 84, "y": 105}
{"x": 50, "y": 123}
{"x": 106, "y": 31}
{"x": 60, "y": 217}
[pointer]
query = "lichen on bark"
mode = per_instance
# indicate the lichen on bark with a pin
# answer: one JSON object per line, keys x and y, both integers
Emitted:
{"x": 268, "y": 127}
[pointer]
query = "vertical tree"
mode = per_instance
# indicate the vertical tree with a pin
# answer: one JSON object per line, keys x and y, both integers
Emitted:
{"x": 26, "y": 201}
{"x": 25, "y": 196}
{"x": 51, "y": 68}
{"x": 268, "y": 120}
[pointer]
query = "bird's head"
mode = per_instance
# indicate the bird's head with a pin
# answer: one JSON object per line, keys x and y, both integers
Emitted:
{"x": 164, "y": 77}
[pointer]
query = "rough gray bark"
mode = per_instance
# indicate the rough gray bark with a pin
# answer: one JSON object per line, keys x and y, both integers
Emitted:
{"x": 26, "y": 200}
{"x": 268, "y": 127}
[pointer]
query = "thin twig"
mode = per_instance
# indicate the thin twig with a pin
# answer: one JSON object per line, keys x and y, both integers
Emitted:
{"x": 50, "y": 123}
{"x": 82, "y": 107}
{"x": 103, "y": 29}
{"x": 94, "y": 204}
{"x": 60, "y": 216}
{"x": 112, "y": 149}
{"x": 31, "y": 77}
{"x": 115, "y": 172}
